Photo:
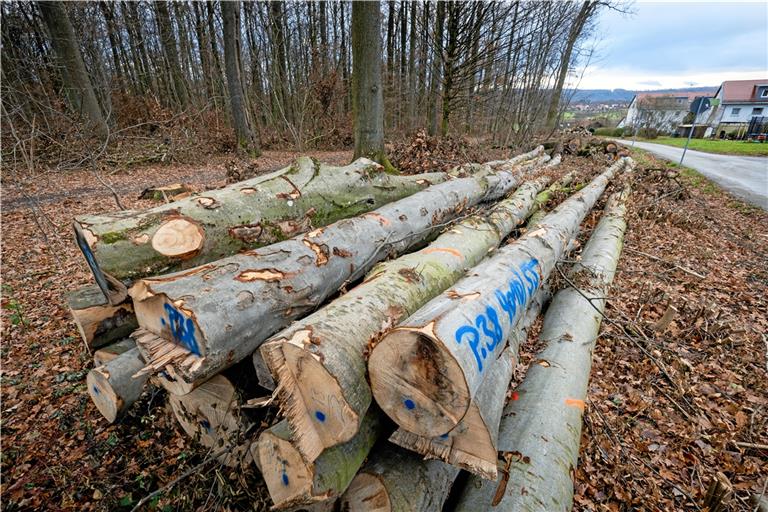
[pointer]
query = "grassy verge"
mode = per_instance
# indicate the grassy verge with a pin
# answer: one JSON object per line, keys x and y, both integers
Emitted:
{"x": 723, "y": 147}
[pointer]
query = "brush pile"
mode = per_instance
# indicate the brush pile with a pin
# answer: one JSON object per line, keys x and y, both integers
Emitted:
{"x": 382, "y": 315}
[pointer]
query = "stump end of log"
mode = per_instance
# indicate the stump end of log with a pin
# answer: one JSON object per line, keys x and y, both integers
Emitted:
{"x": 102, "y": 394}
{"x": 417, "y": 383}
{"x": 311, "y": 397}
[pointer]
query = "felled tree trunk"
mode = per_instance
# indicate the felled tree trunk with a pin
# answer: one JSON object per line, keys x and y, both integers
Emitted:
{"x": 219, "y": 313}
{"x": 319, "y": 361}
{"x": 541, "y": 428}
{"x": 113, "y": 388}
{"x": 473, "y": 444}
{"x": 396, "y": 480}
{"x": 425, "y": 373}
{"x": 293, "y": 482}
{"x": 130, "y": 245}
{"x": 99, "y": 322}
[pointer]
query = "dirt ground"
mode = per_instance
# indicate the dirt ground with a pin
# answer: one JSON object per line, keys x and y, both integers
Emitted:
{"x": 669, "y": 406}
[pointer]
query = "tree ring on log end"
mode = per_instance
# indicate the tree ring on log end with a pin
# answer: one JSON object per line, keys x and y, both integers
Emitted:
{"x": 179, "y": 238}
{"x": 366, "y": 492}
{"x": 418, "y": 383}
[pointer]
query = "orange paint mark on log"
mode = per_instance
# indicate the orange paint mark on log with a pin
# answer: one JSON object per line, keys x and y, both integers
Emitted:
{"x": 575, "y": 402}
{"x": 450, "y": 251}
{"x": 382, "y": 220}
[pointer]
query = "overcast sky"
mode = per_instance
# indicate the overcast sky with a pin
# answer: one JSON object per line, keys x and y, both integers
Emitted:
{"x": 679, "y": 44}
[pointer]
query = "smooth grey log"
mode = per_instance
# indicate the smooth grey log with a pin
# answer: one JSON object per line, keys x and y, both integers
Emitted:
{"x": 540, "y": 431}
{"x": 221, "y": 312}
{"x": 396, "y": 480}
{"x": 112, "y": 386}
{"x": 319, "y": 361}
{"x": 425, "y": 372}
{"x": 110, "y": 352}
{"x": 132, "y": 244}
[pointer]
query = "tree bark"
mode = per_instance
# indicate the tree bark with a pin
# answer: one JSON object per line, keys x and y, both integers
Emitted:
{"x": 588, "y": 9}
{"x": 550, "y": 401}
{"x": 367, "y": 94}
{"x": 80, "y": 93}
{"x": 113, "y": 388}
{"x": 396, "y": 480}
{"x": 246, "y": 141}
{"x": 322, "y": 384}
{"x": 435, "y": 78}
{"x": 219, "y": 313}
{"x": 134, "y": 244}
{"x": 425, "y": 372}
{"x": 171, "y": 52}
{"x": 98, "y": 322}
{"x": 294, "y": 482}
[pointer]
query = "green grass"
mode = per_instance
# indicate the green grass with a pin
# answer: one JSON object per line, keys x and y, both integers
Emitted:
{"x": 723, "y": 147}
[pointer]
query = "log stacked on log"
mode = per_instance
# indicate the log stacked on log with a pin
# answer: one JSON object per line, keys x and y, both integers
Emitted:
{"x": 443, "y": 383}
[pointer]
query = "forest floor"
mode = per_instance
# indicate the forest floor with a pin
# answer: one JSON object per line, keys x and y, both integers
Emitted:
{"x": 668, "y": 406}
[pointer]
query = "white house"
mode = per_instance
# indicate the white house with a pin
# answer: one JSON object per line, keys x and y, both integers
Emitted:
{"x": 663, "y": 111}
{"x": 739, "y": 102}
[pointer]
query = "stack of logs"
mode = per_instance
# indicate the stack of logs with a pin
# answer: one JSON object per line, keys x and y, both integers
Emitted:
{"x": 400, "y": 381}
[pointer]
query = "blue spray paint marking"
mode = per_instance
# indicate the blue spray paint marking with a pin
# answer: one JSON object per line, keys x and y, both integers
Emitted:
{"x": 320, "y": 416}
{"x": 519, "y": 291}
{"x": 182, "y": 329}
{"x": 285, "y": 478}
{"x": 444, "y": 436}
{"x": 206, "y": 425}
{"x": 409, "y": 404}
{"x": 96, "y": 390}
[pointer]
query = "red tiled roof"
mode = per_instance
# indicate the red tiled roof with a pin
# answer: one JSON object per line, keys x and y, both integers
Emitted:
{"x": 741, "y": 90}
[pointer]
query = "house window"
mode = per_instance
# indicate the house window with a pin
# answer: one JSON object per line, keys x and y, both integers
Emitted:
{"x": 757, "y": 111}
{"x": 764, "y": 94}
{"x": 735, "y": 111}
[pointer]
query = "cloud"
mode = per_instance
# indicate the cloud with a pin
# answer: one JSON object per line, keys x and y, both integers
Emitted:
{"x": 666, "y": 42}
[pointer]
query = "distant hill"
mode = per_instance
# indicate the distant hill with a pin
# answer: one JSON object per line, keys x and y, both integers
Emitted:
{"x": 620, "y": 95}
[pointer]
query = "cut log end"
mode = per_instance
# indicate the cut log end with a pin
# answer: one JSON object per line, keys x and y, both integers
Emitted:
{"x": 169, "y": 320}
{"x": 314, "y": 402}
{"x": 287, "y": 475}
{"x": 209, "y": 414}
{"x": 413, "y": 379}
{"x": 179, "y": 238}
{"x": 103, "y": 395}
{"x": 366, "y": 493}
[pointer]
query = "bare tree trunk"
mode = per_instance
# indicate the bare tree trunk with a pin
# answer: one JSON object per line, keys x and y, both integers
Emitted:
{"x": 367, "y": 94}
{"x": 550, "y": 402}
{"x": 80, "y": 92}
{"x": 435, "y": 80}
{"x": 243, "y": 216}
{"x": 440, "y": 340}
{"x": 588, "y": 9}
{"x": 246, "y": 141}
{"x": 171, "y": 51}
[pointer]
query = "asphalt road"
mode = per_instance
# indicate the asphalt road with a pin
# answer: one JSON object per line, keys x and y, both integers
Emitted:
{"x": 743, "y": 176}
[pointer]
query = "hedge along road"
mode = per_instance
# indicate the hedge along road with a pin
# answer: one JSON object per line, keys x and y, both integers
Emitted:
{"x": 744, "y": 176}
